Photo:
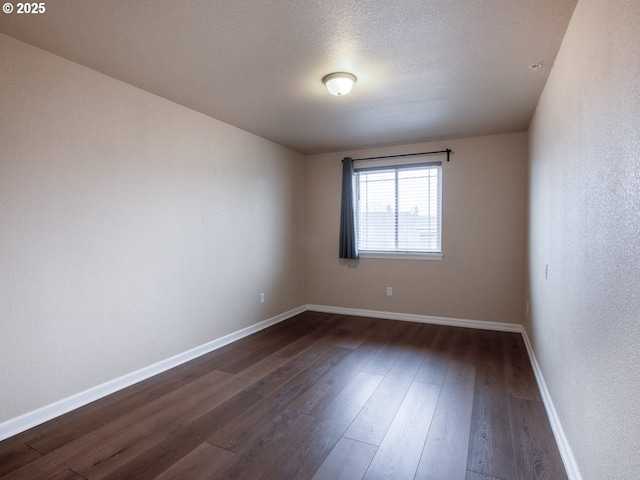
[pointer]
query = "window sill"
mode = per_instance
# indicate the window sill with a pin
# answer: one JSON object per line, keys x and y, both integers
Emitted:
{"x": 402, "y": 256}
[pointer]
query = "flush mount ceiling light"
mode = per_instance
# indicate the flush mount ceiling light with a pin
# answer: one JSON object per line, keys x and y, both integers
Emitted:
{"x": 535, "y": 66}
{"x": 339, "y": 83}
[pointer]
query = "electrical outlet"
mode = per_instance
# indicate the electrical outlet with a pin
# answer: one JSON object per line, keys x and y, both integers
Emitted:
{"x": 389, "y": 291}
{"x": 262, "y": 298}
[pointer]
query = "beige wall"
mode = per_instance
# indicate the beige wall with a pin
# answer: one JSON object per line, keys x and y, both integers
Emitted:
{"x": 585, "y": 223}
{"x": 482, "y": 273}
{"x": 132, "y": 229}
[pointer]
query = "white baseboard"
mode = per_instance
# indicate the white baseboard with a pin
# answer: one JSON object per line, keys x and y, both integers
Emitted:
{"x": 36, "y": 417}
{"x": 566, "y": 453}
{"x": 410, "y": 317}
{"x": 563, "y": 444}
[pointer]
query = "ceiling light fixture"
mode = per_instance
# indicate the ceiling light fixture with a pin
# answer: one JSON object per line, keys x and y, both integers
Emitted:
{"x": 339, "y": 83}
{"x": 535, "y": 66}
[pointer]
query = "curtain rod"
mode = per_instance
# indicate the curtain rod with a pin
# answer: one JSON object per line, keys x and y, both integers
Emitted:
{"x": 447, "y": 151}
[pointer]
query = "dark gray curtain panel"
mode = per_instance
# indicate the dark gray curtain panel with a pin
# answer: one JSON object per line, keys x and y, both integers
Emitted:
{"x": 348, "y": 243}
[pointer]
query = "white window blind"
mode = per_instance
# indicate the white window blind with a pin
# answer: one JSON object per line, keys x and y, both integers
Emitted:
{"x": 398, "y": 208}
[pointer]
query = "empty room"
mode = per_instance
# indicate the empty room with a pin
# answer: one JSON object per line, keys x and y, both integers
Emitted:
{"x": 328, "y": 240}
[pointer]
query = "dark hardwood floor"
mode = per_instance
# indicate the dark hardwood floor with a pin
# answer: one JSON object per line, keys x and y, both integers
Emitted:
{"x": 318, "y": 396}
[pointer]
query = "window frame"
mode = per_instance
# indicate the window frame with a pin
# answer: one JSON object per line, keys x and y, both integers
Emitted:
{"x": 397, "y": 166}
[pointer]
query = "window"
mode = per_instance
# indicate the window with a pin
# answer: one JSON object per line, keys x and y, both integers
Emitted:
{"x": 398, "y": 209}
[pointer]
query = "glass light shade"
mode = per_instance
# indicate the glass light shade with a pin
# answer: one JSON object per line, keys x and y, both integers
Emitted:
{"x": 339, "y": 83}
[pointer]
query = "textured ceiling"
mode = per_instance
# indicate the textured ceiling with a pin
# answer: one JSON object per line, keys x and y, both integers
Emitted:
{"x": 427, "y": 69}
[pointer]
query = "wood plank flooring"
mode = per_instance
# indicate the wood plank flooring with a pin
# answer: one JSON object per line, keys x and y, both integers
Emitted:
{"x": 318, "y": 396}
